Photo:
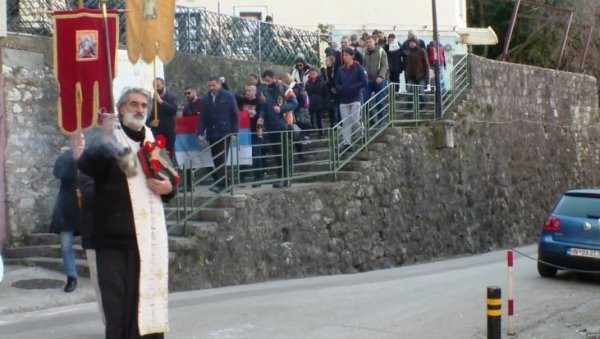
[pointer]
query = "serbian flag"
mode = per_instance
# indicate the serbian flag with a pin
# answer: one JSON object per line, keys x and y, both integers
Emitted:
{"x": 81, "y": 66}
{"x": 243, "y": 143}
{"x": 190, "y": 153}
{"x": 150, "y": 30}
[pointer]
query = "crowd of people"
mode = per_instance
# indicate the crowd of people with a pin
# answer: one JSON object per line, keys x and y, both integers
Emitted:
{"x": 334, "y": 91}
{"x": 352, "y": 74}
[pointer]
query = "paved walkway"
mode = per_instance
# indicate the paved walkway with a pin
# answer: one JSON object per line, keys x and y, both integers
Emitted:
{"x": 48, "y": 294}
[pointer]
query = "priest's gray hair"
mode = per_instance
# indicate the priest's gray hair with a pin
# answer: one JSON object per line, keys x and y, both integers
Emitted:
{"x": 125, "y": 95}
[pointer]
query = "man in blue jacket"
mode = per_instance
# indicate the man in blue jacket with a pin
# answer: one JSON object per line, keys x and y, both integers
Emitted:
{"x": 349, "y": 85}
{"x": 219, "y": 119}
{"x": 271, "y": 112}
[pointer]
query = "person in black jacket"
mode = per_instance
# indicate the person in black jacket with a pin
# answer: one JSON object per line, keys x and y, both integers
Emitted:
{"x": 163, "y": 121}
{"x": 329, "y": 73}
{"x": 129, "y": 230}
{"x": 66, "y": 218}
{"x": 220, "y": 121}
{"x": 318, "y": 94}
{"x": 395, "y": 57}
{"x": 276, "y": 102}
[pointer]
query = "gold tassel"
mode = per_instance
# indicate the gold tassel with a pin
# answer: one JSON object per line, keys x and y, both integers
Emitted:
{"x": 78, "y": 105}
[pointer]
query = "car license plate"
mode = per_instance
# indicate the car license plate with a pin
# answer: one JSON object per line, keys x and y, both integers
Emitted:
{"x": 582, "y": 252}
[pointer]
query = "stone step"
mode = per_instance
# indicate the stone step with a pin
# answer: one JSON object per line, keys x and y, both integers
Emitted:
{"x": 378, "y": 147}
{"x": 331, "y": 177}
{"x": 386, "y": 139}
{"x": 350, "y": 175}
{"x": 200, "y": 229}
{"x": 201, "y": 196}
{"x": 178, "y": 244}
{"x": 38, "y": 239}
{"x": 363, "y": 156}
{"x": 357, "y": 166}
{"x": 214, "y": 214}
{"x": 50, "y": 263}
{"x": 313, "y": 166}
{"x": 51, "y": 251}
{"x": 314, "y": 142}
{"x": 225, "y": 200}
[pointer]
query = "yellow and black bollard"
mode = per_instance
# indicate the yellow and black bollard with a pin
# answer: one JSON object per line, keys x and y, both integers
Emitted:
{"x": 494, "y": 312}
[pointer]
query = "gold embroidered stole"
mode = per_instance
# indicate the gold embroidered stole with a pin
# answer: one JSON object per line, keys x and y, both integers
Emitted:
{"x": 151, "y": 235}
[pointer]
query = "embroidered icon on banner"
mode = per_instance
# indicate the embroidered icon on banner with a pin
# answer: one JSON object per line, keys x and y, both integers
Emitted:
{"x": 87, "y": 45}
{"x": 149, "y": 9}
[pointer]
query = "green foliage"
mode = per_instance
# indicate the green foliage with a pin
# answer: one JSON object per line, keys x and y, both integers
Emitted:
{"x": 539, "y": 32}
{"x": 484, "y": 13}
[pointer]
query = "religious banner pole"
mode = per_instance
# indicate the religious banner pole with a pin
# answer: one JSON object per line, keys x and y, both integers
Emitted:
{"x": 107, "y": 51}
{"x": 154, "y": 83}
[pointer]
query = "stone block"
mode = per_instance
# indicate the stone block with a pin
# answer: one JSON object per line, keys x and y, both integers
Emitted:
{"x": 18, "y": 59}
{"x": 443, "y": 130}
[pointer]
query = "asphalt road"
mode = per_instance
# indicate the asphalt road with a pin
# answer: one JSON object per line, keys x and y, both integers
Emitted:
{"x": 442, "y": 299}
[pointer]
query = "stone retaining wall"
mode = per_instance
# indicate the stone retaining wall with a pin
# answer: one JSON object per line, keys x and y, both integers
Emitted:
{"x": 523, "y": 135}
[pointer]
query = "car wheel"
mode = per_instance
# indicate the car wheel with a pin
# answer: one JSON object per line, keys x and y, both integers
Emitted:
{"x": 546, "y": 271}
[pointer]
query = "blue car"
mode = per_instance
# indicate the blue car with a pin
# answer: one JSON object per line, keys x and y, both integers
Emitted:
{"x": 570, "y": 238}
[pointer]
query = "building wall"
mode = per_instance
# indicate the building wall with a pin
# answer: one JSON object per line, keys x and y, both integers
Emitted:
{"x": 386, "y": 14}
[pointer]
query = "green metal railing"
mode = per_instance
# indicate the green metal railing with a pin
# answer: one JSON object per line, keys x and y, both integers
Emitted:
{"x": 290, "y": 156}
{"x": 461, "y": 80}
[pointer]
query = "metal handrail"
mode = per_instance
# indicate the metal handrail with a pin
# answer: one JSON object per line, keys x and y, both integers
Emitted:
{"x": 325, "y": 156}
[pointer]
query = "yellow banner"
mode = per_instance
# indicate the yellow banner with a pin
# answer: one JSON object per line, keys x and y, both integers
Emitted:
{"x": 150, "y": 30}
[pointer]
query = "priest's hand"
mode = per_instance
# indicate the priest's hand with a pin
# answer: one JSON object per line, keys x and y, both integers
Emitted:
{"x": 160, "y": 186}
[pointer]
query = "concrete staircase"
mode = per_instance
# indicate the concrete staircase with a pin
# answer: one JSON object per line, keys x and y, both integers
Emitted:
{"x": 223, "y": 207}
{"x": 43, "y": 250}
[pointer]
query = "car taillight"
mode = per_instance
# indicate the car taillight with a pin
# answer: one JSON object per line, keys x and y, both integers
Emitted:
{"x": 552, "y": 224}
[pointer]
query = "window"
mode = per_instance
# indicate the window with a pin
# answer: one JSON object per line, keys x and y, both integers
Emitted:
{"x": 189, "y": 29}
{"x": 251, "y": 12}
{"x": 579, "y": 205}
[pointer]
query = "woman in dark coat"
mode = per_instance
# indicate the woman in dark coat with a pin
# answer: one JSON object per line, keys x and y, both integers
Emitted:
{"x": 318, "y": 94}
{"x": 328, "y": 73}
{"x": 66, "y": 215}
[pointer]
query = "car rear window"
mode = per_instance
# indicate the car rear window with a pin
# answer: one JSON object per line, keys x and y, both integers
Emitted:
{"x": 579, "y": 205}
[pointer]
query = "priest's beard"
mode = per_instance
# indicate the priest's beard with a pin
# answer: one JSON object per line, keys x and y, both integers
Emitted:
{"x": 133, "y": 120}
